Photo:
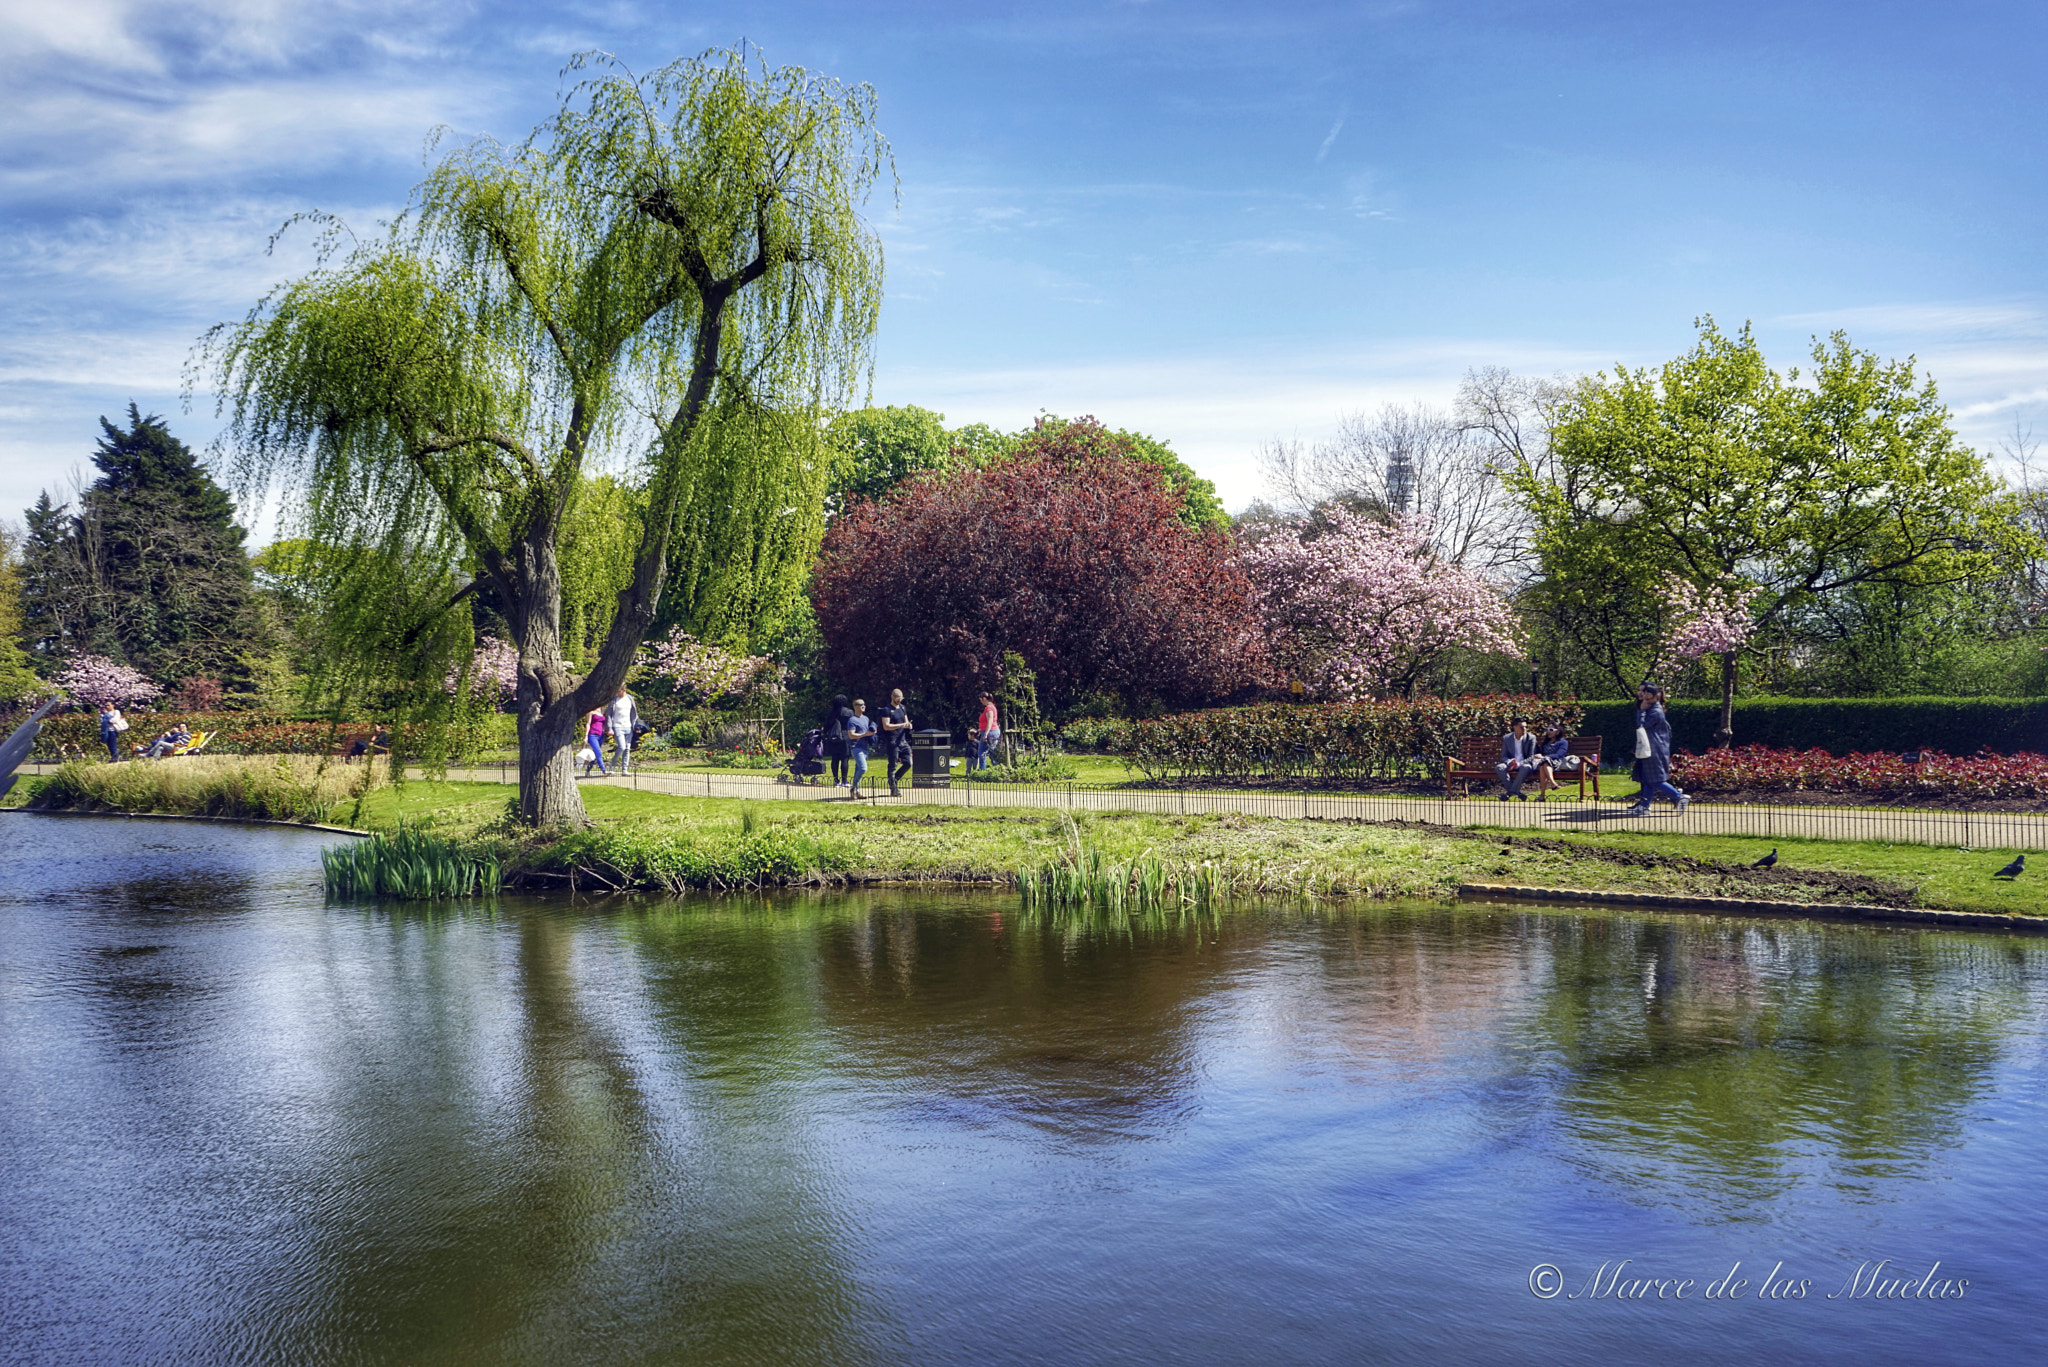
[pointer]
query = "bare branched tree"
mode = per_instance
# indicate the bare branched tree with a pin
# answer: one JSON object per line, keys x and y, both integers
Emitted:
{"x": 1408, "y": 461}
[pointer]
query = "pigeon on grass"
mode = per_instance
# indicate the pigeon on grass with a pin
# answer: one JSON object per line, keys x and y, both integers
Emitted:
{"x": 1769, "y": 861}
{"x": 2013, "y": 870}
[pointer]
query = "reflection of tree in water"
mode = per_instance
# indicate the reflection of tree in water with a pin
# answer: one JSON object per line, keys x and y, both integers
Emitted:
{"x": 1740, "y": 1060}
{"x": 990, "y": 1018}
{"x": 604, "y": 1169}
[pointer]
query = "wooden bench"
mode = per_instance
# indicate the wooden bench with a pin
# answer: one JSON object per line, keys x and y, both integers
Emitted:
{"x": 1478, "y": 755}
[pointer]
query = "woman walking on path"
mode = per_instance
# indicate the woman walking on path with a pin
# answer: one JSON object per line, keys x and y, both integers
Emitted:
{"x": 112, "y": 724}
{"x": 987, "y": 731}
{"x": 593, "y": 736}
{"x": 837, "y": 737}
{"x": 1653, "y": 752}
{"x": 896, "y": 740}
{"x": 860, "y": 732}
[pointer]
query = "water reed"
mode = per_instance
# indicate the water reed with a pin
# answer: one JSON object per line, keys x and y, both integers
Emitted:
{"x": 410, "y": 863}
{"x": 1089, "y": 878}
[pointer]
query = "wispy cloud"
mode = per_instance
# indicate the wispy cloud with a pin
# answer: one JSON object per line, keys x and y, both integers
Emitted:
{"x": 1330, "y": 138}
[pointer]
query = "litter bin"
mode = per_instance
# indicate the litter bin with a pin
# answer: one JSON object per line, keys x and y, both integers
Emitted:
{"x": 931, "y": 759}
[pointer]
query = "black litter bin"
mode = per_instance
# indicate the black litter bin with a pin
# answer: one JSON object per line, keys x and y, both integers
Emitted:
{"x": 931, "y": 759}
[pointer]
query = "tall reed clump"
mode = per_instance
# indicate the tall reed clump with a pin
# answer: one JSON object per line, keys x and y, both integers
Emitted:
{"x": 758, "y": 853}
{"x": 1089, "y": 878}
{"x": 281, "y": 788}
{"x": 409, "y": 863}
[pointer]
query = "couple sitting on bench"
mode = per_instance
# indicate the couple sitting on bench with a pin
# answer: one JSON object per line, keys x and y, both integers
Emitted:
{"x": 1523, "y": 754}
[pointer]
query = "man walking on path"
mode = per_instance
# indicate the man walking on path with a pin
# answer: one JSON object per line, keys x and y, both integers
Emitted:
{"x": 1517, "y": 749}
{"x": 896, "y": 739}
{"x": 1653, "y": 752}
{"x": 860, "y": 733}
{"x": 622, "y": 716}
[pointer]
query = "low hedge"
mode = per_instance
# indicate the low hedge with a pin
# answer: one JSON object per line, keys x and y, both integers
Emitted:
{"x": 1840, "y": 726}
{"x": 1327, "y": 741}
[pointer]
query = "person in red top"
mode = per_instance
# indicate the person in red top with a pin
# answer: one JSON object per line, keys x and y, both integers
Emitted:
{"x": 986, "y": 731}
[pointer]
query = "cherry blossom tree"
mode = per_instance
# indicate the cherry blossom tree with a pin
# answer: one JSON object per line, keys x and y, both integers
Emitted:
{"x": 1364, "y": 607}
{"x": 96, "y": 681}
{"x": 709, "y": 671}
{"x": 1711, "y": 621}
{"x": 493, "y": 671}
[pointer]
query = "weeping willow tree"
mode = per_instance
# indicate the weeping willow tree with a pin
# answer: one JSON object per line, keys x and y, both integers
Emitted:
{"x": 749, "y": 533}
{"x": 664, "y": 255}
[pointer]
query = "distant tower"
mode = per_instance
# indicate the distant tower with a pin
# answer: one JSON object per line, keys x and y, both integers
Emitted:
{"x": 1400, "y": 482}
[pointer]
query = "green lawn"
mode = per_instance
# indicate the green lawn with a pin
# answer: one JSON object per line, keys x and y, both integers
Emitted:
{"x": 1356, "y": 858}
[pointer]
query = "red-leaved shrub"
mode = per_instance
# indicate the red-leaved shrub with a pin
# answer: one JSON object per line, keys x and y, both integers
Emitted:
{"x": 1081, "y": 567}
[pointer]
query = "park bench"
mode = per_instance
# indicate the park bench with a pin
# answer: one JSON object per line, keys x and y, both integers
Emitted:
{"x": 1478, "y": 754}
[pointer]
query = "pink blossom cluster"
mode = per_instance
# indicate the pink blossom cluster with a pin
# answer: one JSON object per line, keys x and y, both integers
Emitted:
{"x": 1704, "y": 621}
{"x": 708, "y": 670}
{"x": 96, "y": 680}
{"x": 1364, "y": 606}
{"x": 493, "y": 669}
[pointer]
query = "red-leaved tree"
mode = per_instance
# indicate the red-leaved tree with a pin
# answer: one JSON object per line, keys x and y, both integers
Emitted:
{"x": 1081, "y": 567}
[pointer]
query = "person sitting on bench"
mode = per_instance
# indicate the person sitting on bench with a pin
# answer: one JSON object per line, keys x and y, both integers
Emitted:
{"x": 1517, "y": 749}
{"x": 169, "y": 741}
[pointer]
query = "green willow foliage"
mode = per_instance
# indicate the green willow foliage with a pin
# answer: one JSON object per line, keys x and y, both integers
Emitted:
{"x": 669, "y": 259}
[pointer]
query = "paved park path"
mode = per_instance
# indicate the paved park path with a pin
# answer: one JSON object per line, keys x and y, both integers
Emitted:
{"x": 1974, "y": 830}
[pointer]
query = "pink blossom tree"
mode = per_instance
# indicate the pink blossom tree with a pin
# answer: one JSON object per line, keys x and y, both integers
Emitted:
{"x": 95, "y": 681}
{"x": 493, "y": 671}
{"x": 710, "y": 672}
{"x": 1366, "y": 607}
{"x": 1718, "y": 620}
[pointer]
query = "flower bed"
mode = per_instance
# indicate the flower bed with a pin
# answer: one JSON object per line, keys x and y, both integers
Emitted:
{"x": 1757, "y": 769}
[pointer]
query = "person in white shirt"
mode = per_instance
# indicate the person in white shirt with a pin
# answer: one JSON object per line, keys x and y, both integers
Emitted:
{"x": 620, "y": 719}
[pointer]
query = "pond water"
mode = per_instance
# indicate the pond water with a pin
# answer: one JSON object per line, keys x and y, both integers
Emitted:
{"x": 241, "y": 1124}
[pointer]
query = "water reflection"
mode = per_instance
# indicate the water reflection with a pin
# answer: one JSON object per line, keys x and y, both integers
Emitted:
{"x": 238, "y": 1122}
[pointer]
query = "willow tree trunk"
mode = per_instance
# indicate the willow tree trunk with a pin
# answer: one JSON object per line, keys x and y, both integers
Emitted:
{"x": 1725, "y": 736}
{"x": 548, "y": 723}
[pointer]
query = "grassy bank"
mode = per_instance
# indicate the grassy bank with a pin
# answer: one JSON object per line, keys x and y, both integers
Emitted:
{"x": 660, "y": 841}
{"x": 276, "y": 788}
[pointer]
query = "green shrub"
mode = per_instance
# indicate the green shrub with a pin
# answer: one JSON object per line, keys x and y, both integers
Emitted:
{"x": 1840, "y": 726}
{"x": 1328, "y": 741}
{"x": 1094, "y": 734}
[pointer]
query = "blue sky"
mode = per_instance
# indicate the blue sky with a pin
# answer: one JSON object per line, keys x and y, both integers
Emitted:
{"x": 1218, "y": 223}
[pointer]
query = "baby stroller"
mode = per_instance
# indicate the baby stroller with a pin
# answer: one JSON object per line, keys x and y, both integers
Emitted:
{"x": 809, "y": 760}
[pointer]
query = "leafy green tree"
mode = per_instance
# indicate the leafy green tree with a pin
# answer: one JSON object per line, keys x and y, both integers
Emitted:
{"x": 16, "y": 676}
{"x": 879, "y": 448}
{"x": 151, "y": 569}
{"x": 666, "y": 258}
{"x": 1718, "y": 470}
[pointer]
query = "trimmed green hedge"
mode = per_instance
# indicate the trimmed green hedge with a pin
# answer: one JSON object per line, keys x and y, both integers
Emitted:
{"x": 1840, "y": 726}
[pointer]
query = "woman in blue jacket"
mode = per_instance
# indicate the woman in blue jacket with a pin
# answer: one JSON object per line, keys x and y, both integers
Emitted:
{"x": 1653, "y": 752}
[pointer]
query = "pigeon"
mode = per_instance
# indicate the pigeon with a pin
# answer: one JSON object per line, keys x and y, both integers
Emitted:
{"x": 1767, "y": 862}
{"x": 2013, "y": 870}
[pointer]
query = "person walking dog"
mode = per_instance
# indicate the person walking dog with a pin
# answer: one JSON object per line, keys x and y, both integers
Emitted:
{"x": 1653, "y": 752}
